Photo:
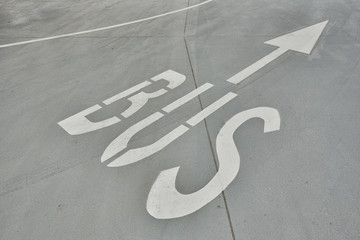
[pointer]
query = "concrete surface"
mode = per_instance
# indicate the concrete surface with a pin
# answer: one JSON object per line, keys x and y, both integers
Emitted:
{"x": 301, "y": 182}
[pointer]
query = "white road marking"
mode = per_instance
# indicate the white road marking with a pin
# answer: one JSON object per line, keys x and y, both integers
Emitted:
{"x": 175, "y": 79}
{"x": 247, "y": 72}
{"x": 210, "y": 109}
{"x": 165, "y": 202}
{"x": 121, "y": 142}
{"x": 138, "y": 154}
{"x": 79, "y": 124}
{"x": 139, "y": 100}
{"x": 126, "y": 93}
{"x": 103, "y": 28}
{"x": 302, "y": 41}
{"x": 181, "y": 101}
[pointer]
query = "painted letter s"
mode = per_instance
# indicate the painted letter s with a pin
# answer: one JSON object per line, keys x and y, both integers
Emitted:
{"x": 165, "y": 202}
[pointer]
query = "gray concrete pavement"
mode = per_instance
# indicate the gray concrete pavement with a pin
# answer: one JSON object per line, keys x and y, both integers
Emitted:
{"x": 300, "y": 182}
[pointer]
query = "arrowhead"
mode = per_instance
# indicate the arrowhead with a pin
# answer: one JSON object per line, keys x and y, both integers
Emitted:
{"x": 302, "y": 40}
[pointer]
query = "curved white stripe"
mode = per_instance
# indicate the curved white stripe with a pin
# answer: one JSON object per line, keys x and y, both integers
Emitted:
{"x": 102, "y": 28}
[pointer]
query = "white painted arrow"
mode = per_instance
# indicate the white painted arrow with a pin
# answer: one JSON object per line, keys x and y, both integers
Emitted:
{"x": 302, "y": 41}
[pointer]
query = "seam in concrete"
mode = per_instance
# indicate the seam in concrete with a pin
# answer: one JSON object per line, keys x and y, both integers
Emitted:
{"x": 206, "y": 125}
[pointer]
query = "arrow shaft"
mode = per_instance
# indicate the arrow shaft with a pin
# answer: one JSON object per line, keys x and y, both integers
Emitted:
{"x": 241, "y": 76}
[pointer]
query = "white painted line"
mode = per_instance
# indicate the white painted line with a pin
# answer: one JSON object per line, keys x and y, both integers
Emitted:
{"x": 241, "y": 76}
{"x": 139, "y": 100}
{"x": 303, "y": 41}
{"x": 165, "y": 202}
{"x": 126, "y": 92}
{"x": 181, "y": 101}
{"x": 210, "y": 109}
{"x": 138, "y": 154}
{"x": 79, "y": 124}
{"x": 135, "y": 155}
{"x": 121, "y": 142}
{"x": 103, "y": 28}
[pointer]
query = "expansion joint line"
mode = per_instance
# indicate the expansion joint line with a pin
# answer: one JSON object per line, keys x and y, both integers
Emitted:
{"x": 205, "y": 122}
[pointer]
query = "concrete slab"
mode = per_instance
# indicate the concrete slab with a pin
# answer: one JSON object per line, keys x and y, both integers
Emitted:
{"x": 296, "y": 183}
